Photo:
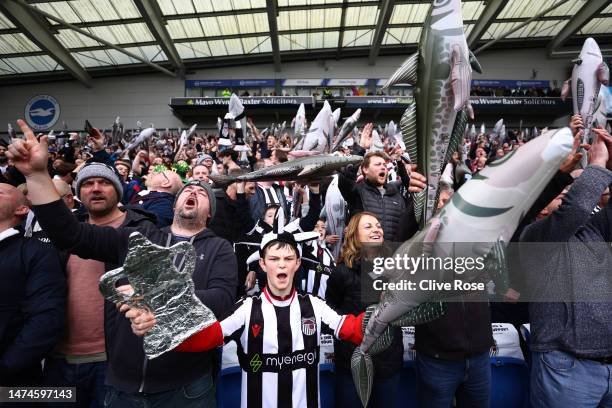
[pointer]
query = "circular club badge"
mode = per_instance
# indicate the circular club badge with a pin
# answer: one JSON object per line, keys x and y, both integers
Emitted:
{"x": 42, "y": 112}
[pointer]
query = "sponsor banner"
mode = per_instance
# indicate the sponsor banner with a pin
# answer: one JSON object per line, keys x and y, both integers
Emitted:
{"x": 372, "y": 101}
{"x": 229, "y": 83}
{"x": 303, "y": 82}
{"x": 347, "y": 82}
{"x": 496, "y": 83}
{"x": 246, "y": 100}
{"x": 42, "y": 112}
{"x": 196, "y": 83}
{"x": 494, "y": 101}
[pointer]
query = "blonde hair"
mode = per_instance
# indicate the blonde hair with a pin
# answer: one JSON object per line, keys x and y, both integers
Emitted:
{"x": 351, "y": 247}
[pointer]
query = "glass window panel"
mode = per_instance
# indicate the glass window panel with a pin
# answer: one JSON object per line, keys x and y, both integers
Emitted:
{"x": 183, "y": 6}
{"x": 409, "y": 13}
{"x": 63, "y": 11}
{"x": 197, "y": 49}
{"x": 471, "y": 10}
{"x": 167, "y": 7}
{"x": 204, "y": 6}
{"x": 211, "y": 27}
{"x": 357, "y": 38}
{"x": 105, "y": 10}
{"x": 187, "y": 28}
{"x": 227, "y": 24}
{"x": 260, "y": 22}
{"x": 72, "y": 39}
{"x": 121, "y": 58}
{"x": 356, "y": 16}
{"x": 293, "y": 42}
{"x": 106, "y": 34}
{"x": 234, "y": 46}
{"x": 140, "y": 32}
{"x": 393, "y": 36}
{"x": 598, "y": 26}
{"x": 222, "y": 5}
{"x": 6, "y": 69}
{"x": 184, "y": 50}
{"x": 217, "y": 48}
{"x": 529, "y": 8}
{"x": 86, "y": 59}
{"x": 126, "y": 8}
{"x": 150, "y": 52}
{"x": 315, "y": 40}
{"x": 332, "y": 17}
{"x": 266, "y": 45}
{"x": 5, "y": 22}
{"x": 292, "y": 20}
{"x": 330, "y": 39}
{"x": 16, "y": 43}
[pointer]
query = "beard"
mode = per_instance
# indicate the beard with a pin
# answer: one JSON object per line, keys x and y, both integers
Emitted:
{"x": 188, "y": 214}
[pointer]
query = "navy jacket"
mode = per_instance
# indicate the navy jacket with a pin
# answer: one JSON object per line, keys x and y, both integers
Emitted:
{"x": 215, "y": 284}
{"x": 159, "y": 203}
{"x": 32, "y": 307}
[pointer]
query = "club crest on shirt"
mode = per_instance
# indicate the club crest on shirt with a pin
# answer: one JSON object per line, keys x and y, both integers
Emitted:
{"x": 309, "y": 326}
{"x": 255, "y": 328}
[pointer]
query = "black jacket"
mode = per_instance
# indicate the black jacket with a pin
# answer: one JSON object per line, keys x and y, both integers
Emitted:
{"x": 390, "y": 208}
{"x": 232, "y": 219}
{"x": 215, "y": 284}
{"x": 346, "y": 295}
{"x": 463, "y": 331}
{"x": 32, "y": 307}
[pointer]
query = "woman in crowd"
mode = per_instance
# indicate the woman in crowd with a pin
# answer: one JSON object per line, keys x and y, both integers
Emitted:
{"x": 346, "y": 293}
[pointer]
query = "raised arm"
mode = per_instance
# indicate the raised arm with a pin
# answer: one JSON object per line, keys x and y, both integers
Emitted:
{"x": 577, "y": 207}
{"x": 105, "y": 244}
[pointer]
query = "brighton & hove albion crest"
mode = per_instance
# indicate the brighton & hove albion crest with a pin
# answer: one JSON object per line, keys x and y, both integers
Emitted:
{"x": 42, "y": 112}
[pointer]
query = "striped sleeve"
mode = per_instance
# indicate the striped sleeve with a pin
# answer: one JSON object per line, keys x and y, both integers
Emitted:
{"x": 346, "y": 327}
{"x": 233, "y": 325}
{"x": 218, "y": 333}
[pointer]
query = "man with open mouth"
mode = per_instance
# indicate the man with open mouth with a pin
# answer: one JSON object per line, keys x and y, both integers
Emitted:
{"x": 174, "y": 379}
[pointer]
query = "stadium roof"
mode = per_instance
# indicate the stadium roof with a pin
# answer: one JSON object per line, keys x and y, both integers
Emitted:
{"x": 43, "y": 39}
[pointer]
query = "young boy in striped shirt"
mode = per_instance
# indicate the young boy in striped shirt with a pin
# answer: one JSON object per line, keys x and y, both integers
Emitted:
{"x": 277, "y": 333}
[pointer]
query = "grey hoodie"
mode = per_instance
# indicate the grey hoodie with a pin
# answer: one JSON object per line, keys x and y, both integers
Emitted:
{"x": 579, "y": 267}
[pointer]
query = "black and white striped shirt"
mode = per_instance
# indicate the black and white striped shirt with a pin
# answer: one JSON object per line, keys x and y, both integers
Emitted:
{"x": 278, "y": 348}
{"x": 318, "y": 262}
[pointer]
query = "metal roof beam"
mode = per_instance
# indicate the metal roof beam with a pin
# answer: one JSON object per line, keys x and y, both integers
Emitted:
{"x": 386, "y": 9}
{"x": 584, "y": 15}
{"x": 36, "y": 29}
{"x": 518, "y": 27}
{"x": 94, "y": 37}
{"x": 342, "y": 28}
{"x": 488, "y": 16}
{"x": 150, "y": 11}
{"x": 272, "y": 13}
{"x": 105, "y": 23}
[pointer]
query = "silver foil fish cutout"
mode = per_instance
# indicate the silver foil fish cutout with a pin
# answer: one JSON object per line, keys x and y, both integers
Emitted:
{"x": 163, "y": 288}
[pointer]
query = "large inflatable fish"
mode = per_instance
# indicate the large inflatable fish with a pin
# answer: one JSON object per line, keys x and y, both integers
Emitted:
{"x": 441, "y": 72}
{"x": 589, "y": 73}
{"x": 318, "y": 134}
{"x": 488, "y": 207}
{"x": 335, "y": 209}
{"x": 303, "y": 168}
